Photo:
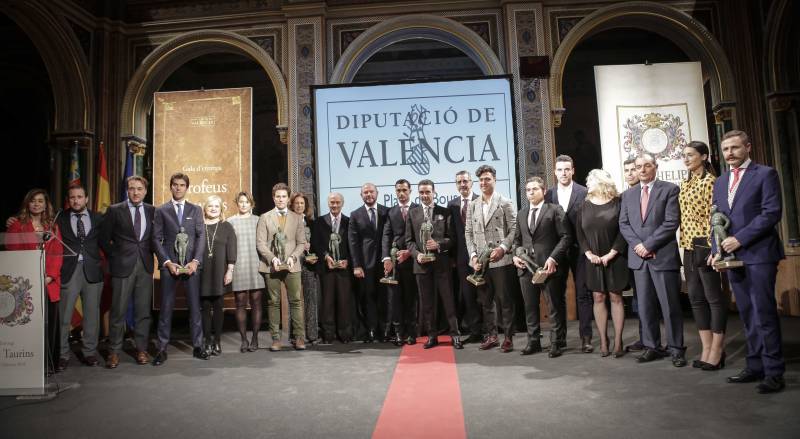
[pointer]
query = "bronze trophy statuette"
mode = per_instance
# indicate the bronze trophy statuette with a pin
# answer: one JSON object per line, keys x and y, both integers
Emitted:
{"x": 390, "y": 279}
{"x": 333, "y": 250}
{"x": 483, "y": 259}
{"x": 719, "y": 231}
{"x": 311, "y": 258}
{"x": 426, "y": 233}
{"x": 279, "y": 249}
{"x": 181, "y": 244}
{"x": 539, "y": 274}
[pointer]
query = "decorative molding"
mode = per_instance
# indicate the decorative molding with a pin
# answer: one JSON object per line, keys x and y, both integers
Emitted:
{"x": 84, "y": 37}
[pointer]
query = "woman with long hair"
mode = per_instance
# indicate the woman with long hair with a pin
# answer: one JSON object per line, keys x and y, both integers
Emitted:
{"x": 35, "y": 218}
{"x": 600, "y": 240}
{"x": 248, "y": 283}
{"x": 217, "y": 271}
{"x": 300, "y": 203}
{"x": 709, "y": 304}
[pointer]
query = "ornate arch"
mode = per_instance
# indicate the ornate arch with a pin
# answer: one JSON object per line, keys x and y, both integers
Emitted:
{"x": 65, "y": 62}
{"x": 779, "y": 40}
{"x": 689, "y": 34}
{"x": 168, "y": 57}
{"x": 407, "y": 27}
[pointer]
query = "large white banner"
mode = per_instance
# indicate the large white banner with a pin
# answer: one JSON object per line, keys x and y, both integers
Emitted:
{"x": 422, "y": 130}
{"x": 655, "y": 108}
{"x": 21, "y": 323}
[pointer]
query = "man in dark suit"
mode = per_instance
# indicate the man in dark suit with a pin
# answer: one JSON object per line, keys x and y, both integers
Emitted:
{"x": 648, "y": 218}
{"x": 170, "y": 218}
{"x": 543, "y": 231}
{"x": 570, "y": 195}
{"x": 433, "y": 277}
{"x": 126, "y": 239}
{"x": 364, "y": 236}
{"x": 403, "y": 296}
{"x": 750, "y": 195}
{"x": 337, "y": 295}
{"x": 467, "y": 298}
{"x": 81, "y": 274}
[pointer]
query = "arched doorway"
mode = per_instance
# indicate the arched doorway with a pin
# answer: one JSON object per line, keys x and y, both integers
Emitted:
{"x": 167, "y": 58}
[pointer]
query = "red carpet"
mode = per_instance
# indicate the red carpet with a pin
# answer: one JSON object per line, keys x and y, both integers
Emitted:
{"x": 424, "y": 399}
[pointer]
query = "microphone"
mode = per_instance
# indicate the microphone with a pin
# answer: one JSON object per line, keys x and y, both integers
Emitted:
{"x": 49, "y": 232}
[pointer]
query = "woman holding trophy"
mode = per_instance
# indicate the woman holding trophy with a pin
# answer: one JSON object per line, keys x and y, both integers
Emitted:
{"x": 300, "y": 204}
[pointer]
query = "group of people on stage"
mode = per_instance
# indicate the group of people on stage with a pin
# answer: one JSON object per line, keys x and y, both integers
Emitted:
{"x": 383, "y": 274}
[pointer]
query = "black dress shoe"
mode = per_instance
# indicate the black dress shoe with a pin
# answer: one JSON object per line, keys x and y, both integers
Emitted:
{"x": 562, "y": 344}
{"x": 532, "y": 348}
{"x": 411, "y": 340}
{"x": 586, "y": 345}
{"x": 771, "y": 385}
{"x": 91, "y": 361}
{"x": 648, "y": 355}
{"x": 473, "y": 338}
{"x": 398, "y": 341}
{"x": 678, "y": 360}
{"x": 253, "y": 345}
{"x": 555, "y": 351}
{"x": 216, "y": 348}
{"x": 636, "y": 347}
{"x": 432, "y": 341}
{"x": 160, "y": 358}
{"x": 745, "y": 376}
{"x": 457, "y": 343}
{"x": 200, "y": 353}
{"x": 370, "y": 338}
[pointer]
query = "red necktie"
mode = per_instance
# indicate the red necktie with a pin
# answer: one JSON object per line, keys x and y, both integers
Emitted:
{"x": 736, "y": 172}
{"x": 645, "y": 200}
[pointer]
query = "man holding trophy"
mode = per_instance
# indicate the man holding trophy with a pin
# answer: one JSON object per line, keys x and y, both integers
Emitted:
{"x": 280, "y": 240}
{"x": 749, "y": 198}
{"x": 179, "y": 239}
{"x": 428, "y": 238}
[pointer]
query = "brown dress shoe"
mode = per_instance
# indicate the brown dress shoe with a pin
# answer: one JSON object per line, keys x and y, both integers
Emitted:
{"x": 91, "y": 361}
{"x": 142, "y": 358}
{"x": 507, "y": 346}
{"x": 276, "y": 346}
{"x": 490, "y": 342}
{"x": 113, "y": 361}
{"x": 300, "y": 344}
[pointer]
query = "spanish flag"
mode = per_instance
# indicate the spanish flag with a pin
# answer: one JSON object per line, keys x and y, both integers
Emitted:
{"x": 103, "y": 198}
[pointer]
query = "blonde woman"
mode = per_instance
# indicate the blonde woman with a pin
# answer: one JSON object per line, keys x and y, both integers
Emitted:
{"x": 248, "y": 283}
{"x": 217, "y": 272}
{"x": 601, "y": 242}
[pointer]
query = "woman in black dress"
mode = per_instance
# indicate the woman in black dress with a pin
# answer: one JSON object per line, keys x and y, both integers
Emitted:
{"x": 217, "y": 273}
{"x": 600, "y": 240}
{"x": 299, "y": 203}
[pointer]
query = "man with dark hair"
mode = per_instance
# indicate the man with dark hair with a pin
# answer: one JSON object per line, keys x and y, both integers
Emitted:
{"x": 126, "y": 240}
{"x": 364, "y": 236}
{"x": 171, "y": 218}
{"x": 570, "y": 195}
{"x": 403, "y": 296}
{"x": 433, "y": 277}
{"x": 467, "y": 298}
{"x": 282, "y": 221}
{"x": 750, "y": 195}
{"x": 648, "y": 219}
{"x": 81, "y": 275}
{"x": 543, "y": 232}
{"x": 490, "y": 227}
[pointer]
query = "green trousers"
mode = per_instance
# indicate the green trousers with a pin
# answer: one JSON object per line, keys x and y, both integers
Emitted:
{"x": 294, "y": 292}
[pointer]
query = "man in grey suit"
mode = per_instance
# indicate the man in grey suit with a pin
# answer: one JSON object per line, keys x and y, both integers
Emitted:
{"x": 648, "y": 219}
{"x": 169, "y": 219}
{"x": 490, "y": 224}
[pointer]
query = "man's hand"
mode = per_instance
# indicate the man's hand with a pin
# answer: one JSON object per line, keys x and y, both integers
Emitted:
{"x": 730, "y": 244}
{"x": 172, "y": 267}
{"x": 432, "y": 245}
{"x": 712, "y": 259}
{"x": 519, "y": 263}
{"x": 641, "y": 251}
{"x": 402, "y": 255}
{"x": 329, "y": 261}
{"x": 290, "y": 262}
{"x": 387, "y": 267}
{"x": 192, "y": 266}
{"x": 358, "y": 272}
{"x": 275, "y": 263}
{"x": 497, "y": 254}
{"x": 550, "y": 265}
{"x": 475, "y": 264}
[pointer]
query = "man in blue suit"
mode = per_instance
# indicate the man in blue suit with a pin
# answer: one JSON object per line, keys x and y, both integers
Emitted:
{"x": 648, "y": 219}
{"x": 170, "y": 218}
{"x": 750, "y": 195}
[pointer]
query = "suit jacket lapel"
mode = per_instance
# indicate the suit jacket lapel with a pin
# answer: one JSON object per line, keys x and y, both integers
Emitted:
{"x": 542, "y": 211}
{"x": 742, "y": 183}
{"x": 573, "y": 198}
{"x": 126, "y": 213}
{"x": 653, "y": 196}
{"x": 494, "y": 203}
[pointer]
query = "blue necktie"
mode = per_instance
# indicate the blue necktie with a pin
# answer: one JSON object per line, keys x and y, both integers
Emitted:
{"x": 180, "y": 214}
